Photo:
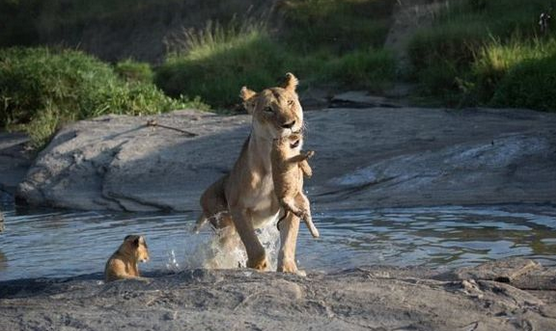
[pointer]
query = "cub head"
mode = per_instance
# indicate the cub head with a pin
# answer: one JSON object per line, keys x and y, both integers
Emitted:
{"x": 276, "y": 111}
{"x": 138, "y": 246}
{"x": 291, "y": 142}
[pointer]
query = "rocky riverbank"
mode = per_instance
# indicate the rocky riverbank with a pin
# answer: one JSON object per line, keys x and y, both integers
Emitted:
{"x": 373, "y": 298}
{"x": 365, "y": 157}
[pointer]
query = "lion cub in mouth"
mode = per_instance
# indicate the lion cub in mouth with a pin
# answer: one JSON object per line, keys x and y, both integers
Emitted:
{"x": 123, "y": 263}
{"x": 288, "y": 168}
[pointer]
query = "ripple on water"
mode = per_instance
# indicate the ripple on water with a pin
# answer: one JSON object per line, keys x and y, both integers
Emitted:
{"x": 60, "y": 244}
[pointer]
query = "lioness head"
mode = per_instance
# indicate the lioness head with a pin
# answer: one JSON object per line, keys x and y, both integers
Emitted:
{"x": 276, "y": 111}
{"x": 138, "y": 246}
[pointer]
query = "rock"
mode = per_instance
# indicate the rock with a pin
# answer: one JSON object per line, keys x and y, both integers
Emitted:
{"x": 1, "y": 222}
{"x": 538, "y": 279}
{"x": 228, "y": 299}
{"x": 505, "y": 271}
{"x": 14, "y": 161}
{"x": 314, "y": 98}
{"x": 361, "y": 99}
{"x": 379, "y": 157}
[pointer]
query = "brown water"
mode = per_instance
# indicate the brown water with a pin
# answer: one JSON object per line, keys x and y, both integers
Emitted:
{"x": 66, "y": 243}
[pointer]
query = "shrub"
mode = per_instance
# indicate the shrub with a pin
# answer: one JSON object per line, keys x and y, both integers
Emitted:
{"x": 472, "y": 45}
{"x": 373, "y": 69}
{"x": 530, "y": 84}
{"x": 42, "y": 88}
{"x": 496, "y": 59}
{"x": 337, "y": 25}
{"x": 133, "y": 71}
{"x": 216, "y": 63}
{"x": 453, "y": 43}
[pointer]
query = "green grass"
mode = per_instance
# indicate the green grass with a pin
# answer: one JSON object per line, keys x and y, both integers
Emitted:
{"x": 216, "y": 61}
{"x": 530, "y": 84}
{"x": 464, "y": 58}
{"x": 338, "y": 26}
{"x": 373, "y": 70}
{"x": 42, "y": 88}
{"x": 133, "y": 71}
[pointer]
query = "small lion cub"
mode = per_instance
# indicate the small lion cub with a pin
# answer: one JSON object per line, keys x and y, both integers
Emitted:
{"x": 123, "y": 263}
{"x": 288, "y": 168}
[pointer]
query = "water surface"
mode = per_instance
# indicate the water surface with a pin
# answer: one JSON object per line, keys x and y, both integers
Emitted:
{"x": 66, "y": 243}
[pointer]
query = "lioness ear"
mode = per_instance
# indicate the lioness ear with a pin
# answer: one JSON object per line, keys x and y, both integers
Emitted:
{"x": 290, "y": 82}
{"x": 248, "y": 100}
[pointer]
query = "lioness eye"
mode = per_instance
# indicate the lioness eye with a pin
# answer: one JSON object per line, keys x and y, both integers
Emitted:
{"x": 268, "y": 109}
{"x": 290, "y": 102}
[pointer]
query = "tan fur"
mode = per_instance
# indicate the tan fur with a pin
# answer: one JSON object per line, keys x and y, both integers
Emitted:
{"x": 288, "y": 168}
{"x": 248, "y": 191}
{"x": 123, "y": 263}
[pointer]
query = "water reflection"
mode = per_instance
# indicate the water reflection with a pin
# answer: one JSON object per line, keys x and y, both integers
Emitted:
{"x": 55, "y": 243}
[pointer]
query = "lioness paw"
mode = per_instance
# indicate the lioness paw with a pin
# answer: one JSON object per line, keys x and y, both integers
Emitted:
{"x": 261, "y": 265}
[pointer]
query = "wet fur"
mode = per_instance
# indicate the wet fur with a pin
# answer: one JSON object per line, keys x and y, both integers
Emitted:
{"x": 248, "y": 191}
{"x": 288, "y": 168}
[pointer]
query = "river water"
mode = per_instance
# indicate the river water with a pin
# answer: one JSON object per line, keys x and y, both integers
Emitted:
{"x": 68, "y": 243}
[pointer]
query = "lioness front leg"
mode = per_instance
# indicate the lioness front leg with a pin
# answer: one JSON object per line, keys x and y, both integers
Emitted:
{"x": 289, "y": 228}
{"x": 256, "y": 256}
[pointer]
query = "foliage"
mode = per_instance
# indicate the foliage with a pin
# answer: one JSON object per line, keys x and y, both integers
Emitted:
{"x": 466, "y": 54}
{"x": 42, "y": 88}
{"x": 133, "y": 71}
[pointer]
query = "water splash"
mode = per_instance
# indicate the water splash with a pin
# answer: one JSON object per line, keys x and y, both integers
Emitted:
{"x": 210, "y": 250}
{"x": 172, "y": 264}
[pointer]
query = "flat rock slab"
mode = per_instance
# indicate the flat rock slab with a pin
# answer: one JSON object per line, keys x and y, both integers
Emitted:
{"x": 542, "y": 279}
{"x": 361, "y": 99}
{"x": 506, "y": 271}
{"x": 365, "y": 158}
{"x": 362, "y": 299}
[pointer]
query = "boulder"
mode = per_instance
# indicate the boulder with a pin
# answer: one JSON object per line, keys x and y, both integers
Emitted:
{"x": 365, "y": 158}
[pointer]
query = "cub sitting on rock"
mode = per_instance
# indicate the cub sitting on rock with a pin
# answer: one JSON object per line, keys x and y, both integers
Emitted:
{"x": 123, "y": 263}
{"x": 288, "y": 168}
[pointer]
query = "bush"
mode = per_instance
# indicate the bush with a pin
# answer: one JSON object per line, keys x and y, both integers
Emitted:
{"x": 463, "y": 57}
{"x": 133, "y": 71}
{"x": 373, "y": 70}
{"x": 44, "y": 88}
{"x": 531, "y": 84}
{"x": 338, "y": 25}
{"x": 215, "y": 63}
{"x": 453, "y": 43}
{"x": 496, "y": 59}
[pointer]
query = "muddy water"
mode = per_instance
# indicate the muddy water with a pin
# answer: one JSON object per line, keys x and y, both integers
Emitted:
{"x": 64, "y": 243}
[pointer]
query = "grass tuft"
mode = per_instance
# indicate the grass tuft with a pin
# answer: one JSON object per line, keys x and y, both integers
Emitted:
{"x": 474, "y": 45}
{"x": 42, "y": 88}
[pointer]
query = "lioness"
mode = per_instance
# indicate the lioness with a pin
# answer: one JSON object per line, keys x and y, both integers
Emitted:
{"x": 123, "y": 263}
{"x": 288, "y": 169}
{"x": 245, "y": 197}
